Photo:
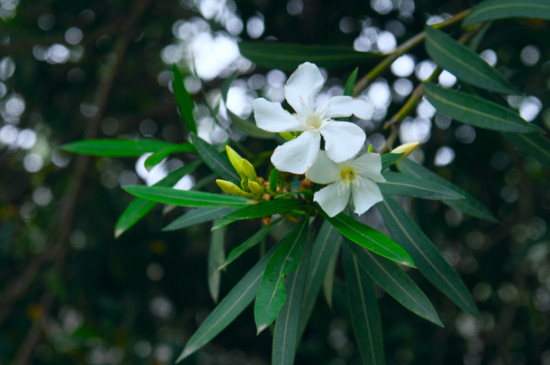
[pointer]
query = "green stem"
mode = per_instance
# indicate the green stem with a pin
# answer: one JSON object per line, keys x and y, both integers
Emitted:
{"x": 401, "y": 50}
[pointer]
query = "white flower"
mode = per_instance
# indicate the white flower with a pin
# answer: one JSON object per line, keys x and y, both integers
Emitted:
{"x": 356, "y": 177}
{"x": 342, "y": 139}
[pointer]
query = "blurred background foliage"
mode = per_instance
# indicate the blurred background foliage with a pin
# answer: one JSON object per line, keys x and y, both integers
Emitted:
{"x": 72, "y": 294}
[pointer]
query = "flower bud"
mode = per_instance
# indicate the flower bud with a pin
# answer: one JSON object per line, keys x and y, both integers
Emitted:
{"x": 255, "y": 188}
{"x": 248, "y": 170}
{"x": 236, "y": 161}
{"x": 230, "y": 188}
{"x": 406, "y": 149}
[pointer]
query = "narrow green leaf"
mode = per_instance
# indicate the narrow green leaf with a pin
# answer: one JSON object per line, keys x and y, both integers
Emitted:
{"x": 285, "y": 334}
{"x": 389, "y": 159}
{"x": 502, "y": 9}
{"x": 363, "y": 307}
{"x": 139, "y": 207}
{"x": 198, "y": 216}
{"x": 248, "y": 244}
{"x": 396, "y": 283}
{"x": 534, "y": 145}
{"x": 262, "y": 209}
{"x": 470, "y": 109}
{"x": 468, "y": 205}
{"x": 229, "y": 308}
{"x": 185, "y": 103}
{"x": 271, "y": 294}
{"x": 326, "y": 244}
{"x": 215, "y": 160}
{"x": 288, "y": 56}
{"x": 115, "y": 147}
{"x": 249, "y": 128}
{"x": 330, "y": 274}
{"x": 185, "y": 198}
{"x": 160, "y": 155}
{"x": 426, "y": 256}
{"x": 464, "y": 63}
{"x": 369, "y": 238}
{"x": 350, "y": 83}
{"x": 216, "y": 256}
{"x": 407, "y": 185}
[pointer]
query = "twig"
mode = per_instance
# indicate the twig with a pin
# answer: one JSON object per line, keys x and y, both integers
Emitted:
{"x": 399, "y": 51}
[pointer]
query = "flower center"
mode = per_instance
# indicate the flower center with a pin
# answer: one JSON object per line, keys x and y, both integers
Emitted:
{"x": 348, "y": 175}
{"x": 313, "y": 121}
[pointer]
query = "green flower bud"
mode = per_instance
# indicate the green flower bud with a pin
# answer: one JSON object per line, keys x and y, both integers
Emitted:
{"x": 230, "y": 188}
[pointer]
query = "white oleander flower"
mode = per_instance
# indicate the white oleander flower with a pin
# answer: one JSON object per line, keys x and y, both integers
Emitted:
{"x": 356, "y": 178}
{"x": 342, "y": 139}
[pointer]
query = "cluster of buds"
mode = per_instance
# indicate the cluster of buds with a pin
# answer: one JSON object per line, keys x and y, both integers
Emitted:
{"x": 251, "y": 186}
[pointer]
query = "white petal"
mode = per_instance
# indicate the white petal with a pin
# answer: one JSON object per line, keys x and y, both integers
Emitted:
{"x": 369, "y": 166}
{"x": 344, "y": 106}
{"x": 332, "y": 198}
{"x": 342, "y": 140}
{"x": 323, "y": 171}
{"x": 302, "y": 87}
{"x": 270, "y": 116}
{"x": 365, "y": 195}
{"x": 297, "y": 155}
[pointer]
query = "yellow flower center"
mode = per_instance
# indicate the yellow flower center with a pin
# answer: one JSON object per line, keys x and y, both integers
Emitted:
{"x": 348, "y": 175}
{"x": 313, "y": 121}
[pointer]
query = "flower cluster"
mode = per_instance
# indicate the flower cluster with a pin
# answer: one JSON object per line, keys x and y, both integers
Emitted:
{"x": 335, "y": 165}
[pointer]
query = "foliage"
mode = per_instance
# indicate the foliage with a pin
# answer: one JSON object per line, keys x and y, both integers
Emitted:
{"x": 281, "y": 226}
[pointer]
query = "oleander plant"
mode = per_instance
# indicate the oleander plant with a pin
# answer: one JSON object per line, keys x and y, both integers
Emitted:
{"x": 317, "y": 199}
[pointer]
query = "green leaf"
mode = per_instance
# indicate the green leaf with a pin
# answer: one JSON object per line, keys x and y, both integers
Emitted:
{"x": 396, "y": 283}
{"x": 185, "y": 198}
{"x": 185, "y": 103}
{"x": 115, "y": 147}
{"x": 468, "y": 205}
{"x": 216, "y": 256}
{"x": 330, "y": 274}
{"x": 534, "y": 145}
{"x": 426, "y": 256}
{"x": 139, "y": 207}
{"x": 248, "y": 244}
{"x": 249, "y": 128}
{"x": 501, "y": 9}
{"x": 389, "y": 159}
{"x": 363, "y": 307}
{"x": 288, "y": 56}
{"x": 326, "y": 246}
{"x": 229, "y": 308}
{"x": 464, "y": 63}
{"x": 160, "y": 155}
{"x": 285, "y": 334}
{"x": 369, "y": 238}
{"x": 406, "y": 185}
{"x": 350, "y": 83}
{"x": 262, "y": 209}
{"x": 197, "y": 216}
{"x": 215, "y": 160}
{"x": 271, "y": 294}
{"x": 475, "y": 111}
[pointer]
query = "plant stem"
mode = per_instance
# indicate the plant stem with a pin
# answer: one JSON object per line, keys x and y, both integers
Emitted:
{"x": 399, "y": 51}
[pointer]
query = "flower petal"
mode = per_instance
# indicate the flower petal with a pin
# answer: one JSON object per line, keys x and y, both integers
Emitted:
{"x": 344, "y": 106}
{"x": 332, "y": 198}
{"x": 369, "y": 166}
{"x": 297, "y": 155}
{"x": 365, "y": 195}
{"x": 270, "y": 116}
{"x": 323, "y": 171}
{"x": 302, "y": 87}
{"x": 342, "y": 140}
